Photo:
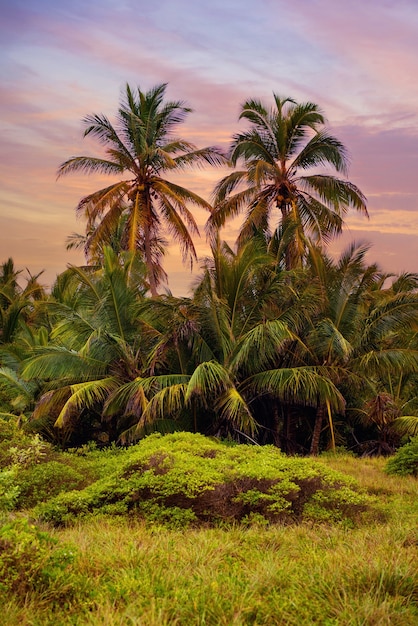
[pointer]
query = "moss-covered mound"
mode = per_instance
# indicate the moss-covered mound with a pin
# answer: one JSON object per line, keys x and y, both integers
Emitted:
{"x": 183, "y": 479}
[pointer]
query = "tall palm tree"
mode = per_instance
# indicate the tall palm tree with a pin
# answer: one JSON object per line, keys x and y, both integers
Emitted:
{"x": 280, "y": 184}
{"x": 141, "y": 146}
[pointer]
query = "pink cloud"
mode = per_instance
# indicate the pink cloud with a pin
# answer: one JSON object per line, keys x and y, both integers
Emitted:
{"x": 358, "y": 60}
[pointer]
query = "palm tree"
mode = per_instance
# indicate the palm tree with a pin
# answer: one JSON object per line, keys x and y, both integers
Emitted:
{"x": 281, "y": 153}
{"x": 390, "y": 322}
{"x": 16, "y": 302}
{"x": 141, "y": 145}
{"x": 219, "y": 355}
{"x": 96, "y": 344}
{"x": 362, "y": 334}
{"x": 21, "y": 327}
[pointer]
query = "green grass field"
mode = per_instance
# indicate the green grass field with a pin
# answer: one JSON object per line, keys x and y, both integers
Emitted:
{"x": 121, "y": 571}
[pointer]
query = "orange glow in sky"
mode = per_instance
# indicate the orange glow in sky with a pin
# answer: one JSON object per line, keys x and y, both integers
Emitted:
{"x": 60, "y": 61}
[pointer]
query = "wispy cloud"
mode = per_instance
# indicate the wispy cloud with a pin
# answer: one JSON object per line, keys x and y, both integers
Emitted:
{"x": 358, "y": 60}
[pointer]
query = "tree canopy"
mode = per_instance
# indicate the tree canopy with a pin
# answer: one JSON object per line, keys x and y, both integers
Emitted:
{"x": 278, "y": 342}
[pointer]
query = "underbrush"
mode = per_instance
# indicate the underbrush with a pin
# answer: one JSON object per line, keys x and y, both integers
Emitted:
{"x": 33, "y": 471}
{"x": 35, "y": 564}
{"x": 405, "y": 461}
{"x": 184, "y": 479}
{"x": 182, "y": 530}
{"x": 295, "y": 575}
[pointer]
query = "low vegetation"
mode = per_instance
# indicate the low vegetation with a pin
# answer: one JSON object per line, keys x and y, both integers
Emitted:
{"x": 183, "y": 529}
{"x": 405, "y": 461}
{"x": 185, "y": 479}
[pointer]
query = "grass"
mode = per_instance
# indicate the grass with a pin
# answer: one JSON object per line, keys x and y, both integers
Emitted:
{"x": 128, "y": 573}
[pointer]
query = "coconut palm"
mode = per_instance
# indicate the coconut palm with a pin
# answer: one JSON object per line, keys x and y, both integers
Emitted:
{"x": 142, "y": 147}
{"x": 281, "y": 184}
{"x": 21, "y": 327}
{"x": 96, "y": 343}
{"x": 359, "y": 333}
{"x": 391, "y": 322}
{"x": 218, "y": 354}
{"x": 16, "y": 302}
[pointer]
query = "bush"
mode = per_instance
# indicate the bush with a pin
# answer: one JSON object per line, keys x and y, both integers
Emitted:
{"x": 21, "y": 448}
{"x": 32, "y": 471}
{"x": 10, "y": 436}
{"x": 9, "y": 490}
{"x": 31, "y": 561}
{"x": 405, "y": 461}
{"x": 182, "y": 479}
{"x": 44, "y": 481}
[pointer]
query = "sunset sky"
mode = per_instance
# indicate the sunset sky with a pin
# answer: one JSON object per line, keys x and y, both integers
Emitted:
{"x": 61, "y": 60}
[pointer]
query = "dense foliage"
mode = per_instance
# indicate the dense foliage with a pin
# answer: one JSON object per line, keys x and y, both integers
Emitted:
{"x": 185, "y": 479}
{"x": 278, "y": 343}
{"x": 121, "y": 408}
{"x": 405, "y": 461}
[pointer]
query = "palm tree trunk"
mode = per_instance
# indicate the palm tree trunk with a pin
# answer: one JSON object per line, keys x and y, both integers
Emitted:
{"x": 290, "y": 248}
{"x": 150, "y": 268}
{"x": 276, "y": 425}
{"x": 149, "y": 263}
{"x": 320, "y": 413}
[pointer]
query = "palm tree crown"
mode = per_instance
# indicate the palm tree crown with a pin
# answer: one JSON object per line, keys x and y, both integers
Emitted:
{"x": 142, "y": 146}
{"x": 282, "y": 151}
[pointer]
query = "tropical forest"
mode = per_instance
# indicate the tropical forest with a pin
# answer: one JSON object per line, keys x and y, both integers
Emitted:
{"x": 246, "y": 454}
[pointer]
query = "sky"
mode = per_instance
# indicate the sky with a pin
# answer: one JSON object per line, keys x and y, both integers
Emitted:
{"x": 64, "y": 59}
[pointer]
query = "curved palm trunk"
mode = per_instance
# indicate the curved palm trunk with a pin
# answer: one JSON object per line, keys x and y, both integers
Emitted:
{"x": 319, "y": 418}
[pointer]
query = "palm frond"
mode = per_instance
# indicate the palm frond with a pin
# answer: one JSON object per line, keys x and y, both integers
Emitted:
{"x": 400, "y": 360}
{"x": 205, "y": 156}
{"x": 298, "y": 384}
{"x": 261, "y": 346}
{"x": 207, "y": 381}
{"x": 165, "y": 403}
{"x": 327, "y": 342}
{"x": 322, "y": 149}
{"x": 234, "y": 409}
{"x": 95, "y": 204}
{"x": 406, "y": 425}
{"x": 86, "y": 395}
{"x": 335, "y": 191}
{"x": 129, "y": 399}
{"x": 56, "y": 362}
{"x": 89, "y": 165}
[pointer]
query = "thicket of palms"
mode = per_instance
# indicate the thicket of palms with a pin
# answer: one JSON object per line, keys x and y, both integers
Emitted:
{"x": 278, "y": 343}
{"x": 96, "y": 344}
{"x": 357, "y": 332}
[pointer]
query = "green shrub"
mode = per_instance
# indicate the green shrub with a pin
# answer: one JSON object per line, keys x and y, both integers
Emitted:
{"x": 21, "y": 448}
{"x": 182, "y": 479}
{"x": 405, "y": 461}
{"x": 32, "y": 471}
{"x": 9, "y": 490}
{"x": 10, "y": 436}
{"x": 46, "y": 480}
{"x": 31, "y": 561}
{"x": 30, "y": 452}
